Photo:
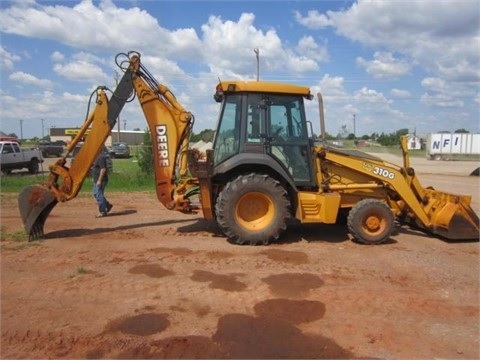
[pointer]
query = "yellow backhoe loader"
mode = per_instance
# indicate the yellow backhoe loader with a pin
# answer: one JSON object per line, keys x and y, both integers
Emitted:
{"x": 263, "y": 170}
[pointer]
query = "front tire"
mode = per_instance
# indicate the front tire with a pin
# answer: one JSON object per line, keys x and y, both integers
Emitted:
{"x": 371, "y": 222}
{"x": 253, "y": 209}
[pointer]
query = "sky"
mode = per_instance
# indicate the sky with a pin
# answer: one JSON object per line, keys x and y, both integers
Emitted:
{"x": 380, "y": 65}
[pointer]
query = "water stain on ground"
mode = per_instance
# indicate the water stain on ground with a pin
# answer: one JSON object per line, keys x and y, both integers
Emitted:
{"x": 222, "y": 282}
{"x": 142, "y": 324}
{"x": 291, "y": 285}
{"x": 270, "y": 334}
{"x": 291, "y": 311}
{"x": 284, "y": 256}
{"x": 152, "y": 270}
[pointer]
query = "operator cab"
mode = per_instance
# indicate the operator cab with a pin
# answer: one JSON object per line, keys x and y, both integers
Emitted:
{"x": 268, "y": 119}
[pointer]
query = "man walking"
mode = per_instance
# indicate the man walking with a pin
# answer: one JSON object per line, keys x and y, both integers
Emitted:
{"x": 100, "y": 181}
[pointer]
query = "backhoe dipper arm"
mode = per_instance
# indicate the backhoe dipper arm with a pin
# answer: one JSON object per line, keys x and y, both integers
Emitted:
{"x": 169, "y": 124}
{"x": 100, "y": 124}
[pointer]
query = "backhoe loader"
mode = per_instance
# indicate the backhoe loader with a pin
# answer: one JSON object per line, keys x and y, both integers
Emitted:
{"x": 263, "y": 170}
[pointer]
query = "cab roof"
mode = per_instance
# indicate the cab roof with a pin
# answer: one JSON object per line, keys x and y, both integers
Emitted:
{"x": 264, "y": 86}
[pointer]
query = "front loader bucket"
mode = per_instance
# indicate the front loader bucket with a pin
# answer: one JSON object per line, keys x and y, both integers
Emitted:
{"x": 452, "y": 217}
{"x": 35, "y": 203}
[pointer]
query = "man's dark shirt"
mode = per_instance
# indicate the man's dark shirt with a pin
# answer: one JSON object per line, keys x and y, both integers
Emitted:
{"x": 100, "y": 163}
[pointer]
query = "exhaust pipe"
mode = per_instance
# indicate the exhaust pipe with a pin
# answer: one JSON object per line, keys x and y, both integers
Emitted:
{"x": 35, "y": 204}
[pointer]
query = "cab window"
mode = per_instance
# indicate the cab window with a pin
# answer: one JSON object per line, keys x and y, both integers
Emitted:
{"x": 228, "y": 133}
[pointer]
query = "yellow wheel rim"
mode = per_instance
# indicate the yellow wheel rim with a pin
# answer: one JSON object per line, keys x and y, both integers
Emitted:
{"x": 374, "y": 224}
{"x": 254, "y": 211}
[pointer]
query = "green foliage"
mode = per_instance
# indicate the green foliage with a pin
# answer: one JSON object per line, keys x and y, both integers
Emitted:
{"x": 145, "y": 154}
{"x": 205, "y": 135}
{"x": 391, "y": 139}
{"x": 81, "y": 270}
{"x": 15, "y": 241}
{"x": 17, "y": 236}
{"x": 126, "y": 176}
{"x": 18, "y": 180}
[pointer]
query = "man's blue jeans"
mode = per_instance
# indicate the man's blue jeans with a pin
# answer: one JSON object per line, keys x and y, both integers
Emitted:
{"x": 99, "y": 195}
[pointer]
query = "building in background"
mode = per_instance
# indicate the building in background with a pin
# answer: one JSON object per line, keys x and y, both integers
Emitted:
{"x": 131, "y": 137}
{"x": 414, "y": 142}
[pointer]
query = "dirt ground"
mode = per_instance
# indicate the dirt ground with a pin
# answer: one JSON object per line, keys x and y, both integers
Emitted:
{"x": 146, "y": 282}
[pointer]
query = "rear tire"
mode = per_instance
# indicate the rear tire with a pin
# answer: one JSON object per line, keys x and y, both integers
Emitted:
{"x": 371, "y": 222}
{"x": 34, "y": 167}
{"x": 252, "y": 209}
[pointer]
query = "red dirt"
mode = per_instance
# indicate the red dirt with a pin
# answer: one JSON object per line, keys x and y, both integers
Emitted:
{"x": 146, "y": 282}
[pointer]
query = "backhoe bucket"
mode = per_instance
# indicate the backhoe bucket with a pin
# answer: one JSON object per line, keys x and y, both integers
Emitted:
{"x": 452, "y": 217}
{"x": 35, "y": 203}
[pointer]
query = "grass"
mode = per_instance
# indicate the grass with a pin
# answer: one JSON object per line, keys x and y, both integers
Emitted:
{"x": 18, "y": 238}
{"x": 79, "y": 271}
{"x": 126, "y": 176}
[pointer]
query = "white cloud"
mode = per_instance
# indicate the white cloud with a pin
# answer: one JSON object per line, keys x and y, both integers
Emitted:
{"x": 400, "y": 94}
{"x": 384, "y": 66}
{"x": 313, "y": 19}
{"x": 434, "y": 84}
{"x": 27, "y": 79}
{"x": 438, "y": 94}
{"x": 229, "y": 46}
{"x": 83, "y": 67}
{"x": 106, "y": 27}
{"x": 370, "y": 96}
{"x": 440, "y": 42}
{"x": 441, "y": 100}
{"x": 332, "y": 88}
{"x": 309, "y": 48}
{"x": 8, "y": 59}
{"x": 226, "y": 46}
{"x": 57, "y": 56}
{"x": 434, "y": 33}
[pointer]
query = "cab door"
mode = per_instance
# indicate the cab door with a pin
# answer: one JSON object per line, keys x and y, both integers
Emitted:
{"x": 286, "y": 124}
{"x": 9, "y": 156}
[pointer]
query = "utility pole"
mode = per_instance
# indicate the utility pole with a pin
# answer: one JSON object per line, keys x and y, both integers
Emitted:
{"x": 257, "y": 53}
{"x": 21, "y": 129}
{"x": 118, "y": 118}
{"x": 354, "y": 128}
{"x": 43, "y": 134}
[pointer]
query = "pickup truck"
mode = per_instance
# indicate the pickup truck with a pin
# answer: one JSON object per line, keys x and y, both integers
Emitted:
{"x": 13, "y": 157}
{"x": 51, "y": 148}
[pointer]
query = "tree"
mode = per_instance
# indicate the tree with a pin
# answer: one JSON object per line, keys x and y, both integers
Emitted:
{"x": 391, "y": 139}
{"x": 145, "y": 154}
{"x": 461, "y": 131}
{"x": 206, "y": 135}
